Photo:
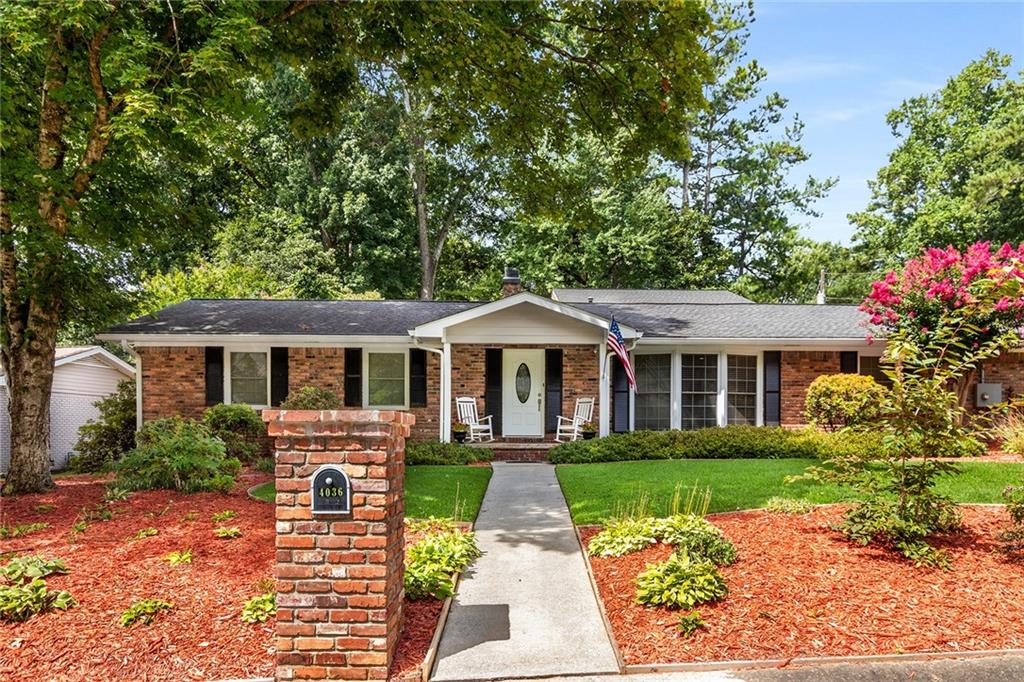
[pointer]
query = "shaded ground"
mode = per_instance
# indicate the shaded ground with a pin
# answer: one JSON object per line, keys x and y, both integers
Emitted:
{"x": 799, "y": 589}
{"x": 597, "y": 491}
{"x": 203, "y": 637}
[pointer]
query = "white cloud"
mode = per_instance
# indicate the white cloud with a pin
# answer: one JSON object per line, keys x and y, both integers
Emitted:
{"x": 908, "y": 87}
{"x": 809, "y": 68}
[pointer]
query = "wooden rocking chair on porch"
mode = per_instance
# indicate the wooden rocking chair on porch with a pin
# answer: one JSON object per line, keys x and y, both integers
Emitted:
{"x": 480, "y": 428}
{"x": 572, "y": 429}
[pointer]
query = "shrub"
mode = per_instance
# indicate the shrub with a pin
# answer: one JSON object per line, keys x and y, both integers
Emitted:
{"x": 144, "y": 611}
{"x": 312, "y": 398}
{"x": 681, "y": 581}
{"x": 622, "y": 536}
{"x": 23, "y": 592}
{"x": 239, "y": 427}
{"x": 1010, "y": 430}
{"x": 433, "y": 452}
{"x": 904, "y": 527}
{"x": 836, "y": 401}
{"x": 103, "y": 441}
{"x": 1013, "y": 538}
{"x": 260, "y": 608}
{"x": 264, "y": 464}
{"x": 729, "y": 442}
{"x": 179, "y": 454}
{"x": 697, "y": 536}
{"x": 784, "y": 505}
{"x": 431, "y": 562}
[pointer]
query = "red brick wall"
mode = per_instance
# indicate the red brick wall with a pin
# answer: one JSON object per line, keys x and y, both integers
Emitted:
{"x": 339, "y": 577}
{"x": 580, "y": 374}
{"x": 799, "y": 369}
{"x": 173, "y": 382}
{"x": 1008, "y": 370}
{"x": 320, "y": 367}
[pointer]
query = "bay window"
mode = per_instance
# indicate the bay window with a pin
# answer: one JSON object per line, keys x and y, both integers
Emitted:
{"x": 652, "y": 409}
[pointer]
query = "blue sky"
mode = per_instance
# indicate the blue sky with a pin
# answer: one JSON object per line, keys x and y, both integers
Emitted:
{"x": 844, "y": 65}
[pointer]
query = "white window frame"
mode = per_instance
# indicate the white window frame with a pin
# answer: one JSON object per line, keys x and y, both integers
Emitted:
{"x": 384, "y": 350}
{"x": 228, "y": 350}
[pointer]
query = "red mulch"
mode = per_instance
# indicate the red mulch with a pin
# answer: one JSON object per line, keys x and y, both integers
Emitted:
{"x": 799, "y": 589}
{"x": 203, "y": 638}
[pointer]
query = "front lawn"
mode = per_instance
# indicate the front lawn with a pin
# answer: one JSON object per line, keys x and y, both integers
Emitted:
{"x": 455, "y": 491}
{"x": 596, "y": 491}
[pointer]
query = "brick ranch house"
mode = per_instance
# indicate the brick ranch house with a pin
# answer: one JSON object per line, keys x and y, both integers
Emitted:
{"x": 702, "y": 358}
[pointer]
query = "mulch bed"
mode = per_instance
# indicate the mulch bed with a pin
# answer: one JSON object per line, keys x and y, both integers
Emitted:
{"x": 799, "y": 589}
{"x": 203, "y": 638}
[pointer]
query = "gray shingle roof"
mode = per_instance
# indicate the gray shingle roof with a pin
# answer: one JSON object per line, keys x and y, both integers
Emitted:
{"x": 327, "y": 318}
{"x": 646, "y": 296}
{"x": 737, "y": 320}
{"x": 396, "y": 318}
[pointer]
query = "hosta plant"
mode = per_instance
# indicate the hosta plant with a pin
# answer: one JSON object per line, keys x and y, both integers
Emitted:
{"x": 225, "y": 533}
{"x": 23, "y": 591}
{"x": 260, "y": 608}
{"x": 221, "y": 517}
{"x": 178, "y": 557}
{"x": 689, "y": 623}
{"x": 144, "y": 611}
{"x": 697, "y": 536}
{"x": 22, "y": 530}
{"x": 623, "y": 536}
{"x": 431, "y": 562}
{"x": 681, "y": 581}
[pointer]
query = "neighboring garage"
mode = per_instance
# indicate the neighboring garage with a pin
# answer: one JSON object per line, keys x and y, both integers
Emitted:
{"x": 81, "y": 376}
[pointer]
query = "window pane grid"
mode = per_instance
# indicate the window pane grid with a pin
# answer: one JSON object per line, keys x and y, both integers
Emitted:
{"x": 700, "y": 391}
{"x": 249, "y": 378}
{"x": 653, "y": 391}
{"x": 742, "y": 389}
{"x": 385, "y": 379}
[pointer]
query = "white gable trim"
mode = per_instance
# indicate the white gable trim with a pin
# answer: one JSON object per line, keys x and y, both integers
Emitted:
{"x": 101, "y": 354}
{"x": 436, "y": 328}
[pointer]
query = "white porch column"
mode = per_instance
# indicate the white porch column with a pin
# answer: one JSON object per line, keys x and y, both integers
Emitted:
{"x": 675, "y": 417}
{"x": 445, "y": 413}
{"x": 604, "y": 404}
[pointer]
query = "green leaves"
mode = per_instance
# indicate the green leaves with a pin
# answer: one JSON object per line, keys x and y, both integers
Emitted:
{"x": 680, "y": 582}
{"x": 23, "y": 591}
{"x": 144, "y": 611}
{"x": 431, "y": 562}
{"x": 260, "y": 608}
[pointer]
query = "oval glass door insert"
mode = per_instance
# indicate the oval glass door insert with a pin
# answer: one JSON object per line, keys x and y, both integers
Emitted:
{"x": 523, "y": 383}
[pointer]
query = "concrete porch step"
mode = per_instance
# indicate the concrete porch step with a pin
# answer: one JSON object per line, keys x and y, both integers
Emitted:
{"x": 520, "y": 450}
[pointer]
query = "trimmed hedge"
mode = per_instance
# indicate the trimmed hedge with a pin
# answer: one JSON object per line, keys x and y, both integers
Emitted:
{"x": 433, "y": 452}
{"x": 729, "y": 442}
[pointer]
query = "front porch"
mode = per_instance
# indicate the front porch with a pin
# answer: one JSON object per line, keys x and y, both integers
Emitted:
{"x": 519, "y": 449}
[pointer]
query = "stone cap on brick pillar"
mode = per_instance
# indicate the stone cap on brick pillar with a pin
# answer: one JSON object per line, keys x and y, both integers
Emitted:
{"x": 326, "y": 422}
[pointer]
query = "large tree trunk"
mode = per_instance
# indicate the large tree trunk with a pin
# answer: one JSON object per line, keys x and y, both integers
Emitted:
{"x": 29, "y": 378}
{"x": 415, "y": 118}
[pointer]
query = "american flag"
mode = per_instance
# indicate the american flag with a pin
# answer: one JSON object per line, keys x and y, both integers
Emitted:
{"x": 618, "y": 346}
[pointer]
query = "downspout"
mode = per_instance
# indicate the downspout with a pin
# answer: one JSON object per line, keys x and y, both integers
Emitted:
{"x": 443, "y": 407}
{"x": 138, "y": 382}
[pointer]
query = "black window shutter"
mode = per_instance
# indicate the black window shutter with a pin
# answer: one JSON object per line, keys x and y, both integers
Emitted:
{"x": 353, "y": 377}
{"x": 417, "y": 377}
{"x": 492, "y": 386}
{"x": 553, "y": 382}
{"x": 214, "y": 375}
{"x": 278, "y": 375}
{"x": 848, "y": 362}
{"x": 620, "y": 397}
{"x": 772, "y": 387}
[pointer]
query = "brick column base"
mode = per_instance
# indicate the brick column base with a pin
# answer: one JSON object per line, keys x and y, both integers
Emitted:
{"x": 339, "y": 577}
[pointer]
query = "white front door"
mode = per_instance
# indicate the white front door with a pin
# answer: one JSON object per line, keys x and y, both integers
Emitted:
{"x": 522, "y": 392}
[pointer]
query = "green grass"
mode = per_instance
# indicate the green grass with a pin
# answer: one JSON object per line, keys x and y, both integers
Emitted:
{"x": 597, "y": 491}
{"x": 430, "y": 491}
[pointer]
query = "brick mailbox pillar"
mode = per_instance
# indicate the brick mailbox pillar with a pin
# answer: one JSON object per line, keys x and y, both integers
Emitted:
{"x": 338, "y": 574}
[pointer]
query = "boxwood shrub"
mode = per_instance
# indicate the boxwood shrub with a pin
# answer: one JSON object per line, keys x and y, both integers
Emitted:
{"x": 433, "y": 452}
{"x": 179, "y": 454}
{"x": 729, "y": 442}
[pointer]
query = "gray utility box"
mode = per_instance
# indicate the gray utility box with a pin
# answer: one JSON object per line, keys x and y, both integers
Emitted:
{"x": 989, "y": 394}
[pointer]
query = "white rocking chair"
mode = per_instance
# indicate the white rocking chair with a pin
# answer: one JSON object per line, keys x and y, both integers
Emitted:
{"x": 572, "y": 429}
{"x": 480, "y": 428}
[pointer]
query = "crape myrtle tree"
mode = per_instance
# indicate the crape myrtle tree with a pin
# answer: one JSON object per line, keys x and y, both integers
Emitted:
{"x": 96, "y": 96}
{"x": 943, "y": 314}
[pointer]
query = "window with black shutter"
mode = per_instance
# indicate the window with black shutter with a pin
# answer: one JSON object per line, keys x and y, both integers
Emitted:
{"x": 772, "y": 387}
{"x": 492, "y": 386}
{"x": 353, "y": 377}
{"x": 848, "y": 362}
{"x": 417, "y": 377}
{"x": 214, "y": 375}
{"x": 278, "y": 375}
{"x": 553, "y": 384}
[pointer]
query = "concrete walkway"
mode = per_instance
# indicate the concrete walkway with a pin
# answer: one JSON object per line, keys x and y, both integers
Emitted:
{"x": 525, "y": 608}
